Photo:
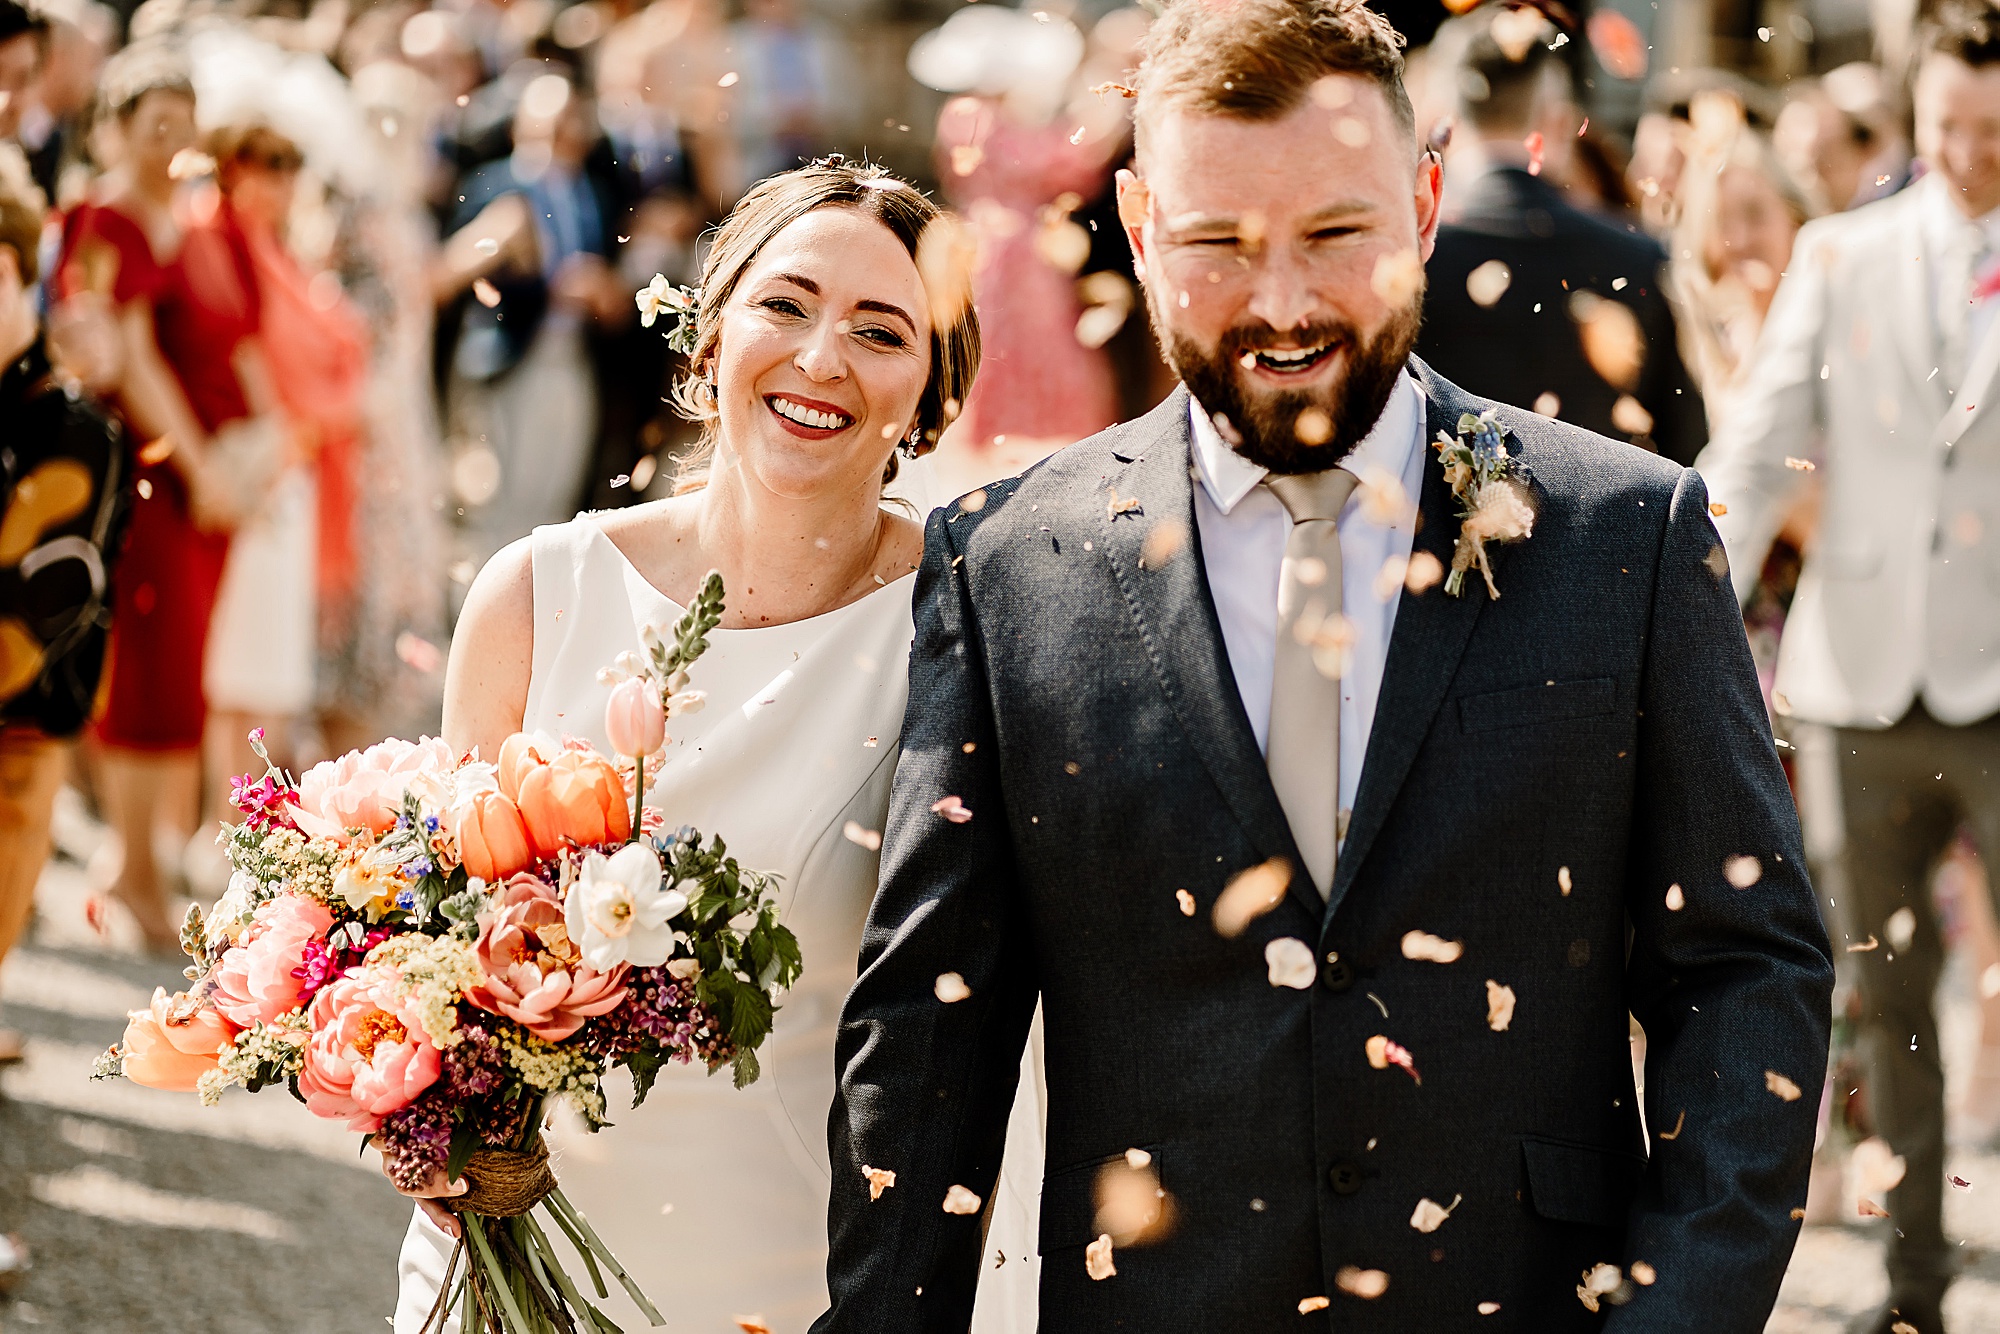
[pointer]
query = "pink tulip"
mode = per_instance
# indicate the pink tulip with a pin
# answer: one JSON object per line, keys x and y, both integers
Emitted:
{"x": 634, "y": 719}
{"x": 366, "y": 1058}
{"x": 534, "y": 975}
{"x": 255, "y": 980}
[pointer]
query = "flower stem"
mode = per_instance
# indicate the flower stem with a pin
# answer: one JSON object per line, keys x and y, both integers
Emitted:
{"x": 638, "y": 797}
{"x": 497, "y": 1277}
{"x": 632, "y": 1289}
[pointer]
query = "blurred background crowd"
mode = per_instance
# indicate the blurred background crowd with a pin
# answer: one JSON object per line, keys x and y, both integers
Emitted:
{"x": 309, "y": 306}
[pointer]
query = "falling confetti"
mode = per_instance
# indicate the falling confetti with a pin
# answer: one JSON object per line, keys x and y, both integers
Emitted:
{"x": 1313, "y": 426}
{"x": 1867, "y": 1208}
{"x": 1367, "y": 1284}
{"x": 1097, "y": 1259}
{"x": 1430, "y": 1215}
{"x": 1128, "y": 505}
{"x": 1163, "y": 540}
{"x": 1676, "y": 900}
{"x": 1679, "y": 1121}
{"x": 973, "y": 501}
{"x": 1717, "y": 508}
{"x": 1488, "y": 283}
{"x": 1186, "y": 900}
{"x": 1742, "y": 871}
{"x": 1959, "y": 1183}
{"x": 1800, "y": 465}
{"x": 1781, "y": 1086}
{"x": 487, "y": 294}
{"x": 1249, "y": 895}
{"x": 952, "y": 809}
{"x": 959, "y": 1200}
{"x": 727, "y": 81}
{"x": 752, "y": 1324}
{"x": 1599, "y": 1281}
{"x": 1901, "y": 928}
{"x": 1499, "y": 1006}
{"x": 1424, "y": 574}
{"x": 1383, "y": 1053}
{"x": 879, "y": 1180}
{"x": 418, "y": 653}
{"x": 1398, "y": 278}
{"x": 861, "y": 836}
{"x": 1549, "y": 404}
{"x": 1865, "y": 946}
{"x": 1489, "y": 1308}
{"x": 951, "y": 988}
{"x": 1290, "y": 963}
{"x": 1307, "y": 1305}
{"x": 1533, "y": 143}
{"x": 1644, "y": 1274}
{"x": 1427, "y": 948}
{"x": 1563, "y": 881}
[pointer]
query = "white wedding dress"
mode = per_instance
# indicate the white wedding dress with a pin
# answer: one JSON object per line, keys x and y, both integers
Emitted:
{"x": 715, "y": 1199}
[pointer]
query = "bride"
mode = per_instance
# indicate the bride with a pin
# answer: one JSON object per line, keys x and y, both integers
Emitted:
{"x": 818, "y": 364}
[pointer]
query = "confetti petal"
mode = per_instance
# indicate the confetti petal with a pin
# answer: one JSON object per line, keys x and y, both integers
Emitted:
{"x": 752, "y": 1324}
{"x": 1427, "y": 948}
{"x": 1867, "y": 1208}
{"x": 1186, "y": 900}
{"x": 1489, "y": 1308}
{"x": 1644, "y": 1274}
{"x": 1742, "y": 871}
{"x": 856, "y": 834}
{"x": 1499, "y": 1006}
{"x": 951, "y": 988}
{"x": 1781, "y": 1086}
{"x": 879, "y": 1180}
{"x": 1430, "y": 1215}
{"x": 1367, "y": 1284}
{"x": 959, "y": 1200}
{"x": 1676, "y": 899}
{"x": 952, "y": 809}
{"x": 1097, "y": 1259}
{"x": 1383, "y": 1053}
{"x": 1249, "y": 895}
{"x": 1307, "y": 1305}
{"x": 1901, "y": 928}
{"x": 1290, "y": 961}
{"x": 1563, "y": 881}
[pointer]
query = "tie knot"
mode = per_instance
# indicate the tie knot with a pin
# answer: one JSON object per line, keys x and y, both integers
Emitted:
{"x": 1312, "y": 495}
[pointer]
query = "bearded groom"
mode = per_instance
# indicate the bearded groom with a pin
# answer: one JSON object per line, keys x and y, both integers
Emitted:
{"x": 1338, "y": 758}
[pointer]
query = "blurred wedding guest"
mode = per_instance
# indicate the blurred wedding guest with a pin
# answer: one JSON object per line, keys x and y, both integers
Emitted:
{"x": 1883, "y": 336}
{"x": 24, "y": 36}
{"x": 297, "y": 542}
{"x": 82, "y": 34}
{"x": 530, "y": 245}
{"x": 64, "y": 497}
{"x": 381, "y": 627}
{"x": 1842, "y": 137}
{"x": 1530, "y": 300}
{"x": 1739, "y": 212}
{"x": 792, "y": 76}
{"x": 1017, "y": 157}
{"x": 193, "y": 391}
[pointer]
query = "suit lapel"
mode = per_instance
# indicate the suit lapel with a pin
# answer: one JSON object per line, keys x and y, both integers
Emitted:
{"x": 1154, "y": 550}
{"x": 1430, "y": 635}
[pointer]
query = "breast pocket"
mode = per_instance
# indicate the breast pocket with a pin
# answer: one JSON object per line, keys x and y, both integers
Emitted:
{"x": 1578, "y": 1183}
{"x": 1530, "y": 706}
{"x": 1071, "y": 1197}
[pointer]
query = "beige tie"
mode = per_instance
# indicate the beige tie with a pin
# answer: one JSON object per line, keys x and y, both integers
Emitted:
{"x": 1313, "y": 642}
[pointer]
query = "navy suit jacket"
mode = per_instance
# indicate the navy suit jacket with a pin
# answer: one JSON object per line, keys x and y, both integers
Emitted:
{"x": 1557, "y": 779}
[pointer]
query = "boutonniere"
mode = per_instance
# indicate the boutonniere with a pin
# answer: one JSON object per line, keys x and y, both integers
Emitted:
{"x": 678, "y": 303}
{"x": 1492, "y": 499}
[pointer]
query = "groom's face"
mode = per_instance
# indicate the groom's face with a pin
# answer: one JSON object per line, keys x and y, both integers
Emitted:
{"x": 1283, "y": 264}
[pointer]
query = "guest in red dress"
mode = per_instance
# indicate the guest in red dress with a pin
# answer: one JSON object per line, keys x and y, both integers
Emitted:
{"x": 176, "y": 281}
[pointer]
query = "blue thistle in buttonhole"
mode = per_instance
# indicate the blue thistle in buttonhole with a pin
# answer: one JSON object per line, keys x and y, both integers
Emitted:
{"x": 1493, "y": 501}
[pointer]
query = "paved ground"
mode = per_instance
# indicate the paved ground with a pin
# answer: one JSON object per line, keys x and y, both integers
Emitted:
{"x": 148, "y": 1214}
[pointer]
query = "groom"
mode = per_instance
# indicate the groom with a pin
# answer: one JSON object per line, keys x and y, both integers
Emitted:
{"x": 1382, "y": 1081}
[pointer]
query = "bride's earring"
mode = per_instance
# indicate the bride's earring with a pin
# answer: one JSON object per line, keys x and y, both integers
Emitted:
{"x": 911, "y": 442}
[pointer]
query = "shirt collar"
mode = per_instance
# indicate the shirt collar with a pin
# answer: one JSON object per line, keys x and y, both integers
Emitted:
{"x": 1228, "y": 477}
{"x": 1944, "y": 220}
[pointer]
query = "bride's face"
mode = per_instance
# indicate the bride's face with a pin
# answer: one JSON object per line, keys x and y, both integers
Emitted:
{"x": 823, "y": 355}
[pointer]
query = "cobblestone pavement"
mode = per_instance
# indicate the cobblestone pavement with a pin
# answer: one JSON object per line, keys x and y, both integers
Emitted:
{"x": 148, "y": 1214}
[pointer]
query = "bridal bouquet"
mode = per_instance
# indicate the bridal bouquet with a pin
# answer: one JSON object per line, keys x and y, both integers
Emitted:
{"x": 431, "y": 948}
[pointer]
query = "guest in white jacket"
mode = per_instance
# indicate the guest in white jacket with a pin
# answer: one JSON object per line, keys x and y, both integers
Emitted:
{"x": 1881, "y": 356}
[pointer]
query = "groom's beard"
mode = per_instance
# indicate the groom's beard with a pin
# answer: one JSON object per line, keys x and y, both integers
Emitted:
{"x": 1266, "y": 424}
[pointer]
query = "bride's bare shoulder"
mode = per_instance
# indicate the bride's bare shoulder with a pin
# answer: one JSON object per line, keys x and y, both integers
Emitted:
{"x": 492, "y": 653}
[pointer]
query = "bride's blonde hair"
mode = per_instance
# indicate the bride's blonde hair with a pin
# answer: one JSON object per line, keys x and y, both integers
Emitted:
{"x": 774, "y": 204}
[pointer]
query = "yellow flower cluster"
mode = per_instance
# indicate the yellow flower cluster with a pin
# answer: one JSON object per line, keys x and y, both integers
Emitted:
{"x": 555, "y": 1069}
{"x": 433, "y": 973}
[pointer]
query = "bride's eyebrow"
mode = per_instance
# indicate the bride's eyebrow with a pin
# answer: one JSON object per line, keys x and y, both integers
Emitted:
{"x": 879, "y": 307}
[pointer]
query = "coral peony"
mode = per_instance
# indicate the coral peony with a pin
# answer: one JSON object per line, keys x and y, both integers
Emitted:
{"x": 257, "y": 979}
{"x": 363, "y": 789}
{"x": 492, "y": 837}
{"x": 174, "y": 1044}
{"x": 575, "y": 798}
{"x": 634, "y": 720}
{"x": 534, "y": 974}
{"x": 366, "y": 1059}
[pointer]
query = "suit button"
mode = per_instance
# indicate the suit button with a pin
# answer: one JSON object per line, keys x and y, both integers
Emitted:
{"x": 1345, "y": 1178}
{"x": 1336, "y": 975}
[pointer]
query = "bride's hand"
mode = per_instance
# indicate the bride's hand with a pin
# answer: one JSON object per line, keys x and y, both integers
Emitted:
{"x": 430, "y": 1193}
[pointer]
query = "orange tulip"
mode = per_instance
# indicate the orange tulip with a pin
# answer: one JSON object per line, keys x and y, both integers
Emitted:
{"x": 519, "y": 754}
{"x": 492, "y": 837}
{"x": 164, "y": 1051}
{"x": 577, "y": 797}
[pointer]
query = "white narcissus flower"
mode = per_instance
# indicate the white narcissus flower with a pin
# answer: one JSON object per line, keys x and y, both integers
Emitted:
{"x": 619, "y": 909}
{"x": 654, "y": 297}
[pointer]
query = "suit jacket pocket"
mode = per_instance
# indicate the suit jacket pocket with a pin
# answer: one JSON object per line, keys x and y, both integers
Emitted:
{"x": 1538, "y": 704}
{"x": 1576, "y": 1183}
{"x": 1069, "y": 1200}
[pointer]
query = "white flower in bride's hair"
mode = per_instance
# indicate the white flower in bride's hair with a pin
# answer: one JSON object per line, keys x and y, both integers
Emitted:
{"x": 653, "y": 298}
{"x": 619, "y": 909}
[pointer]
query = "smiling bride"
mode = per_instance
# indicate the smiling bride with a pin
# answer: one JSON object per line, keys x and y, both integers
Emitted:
{"x": 817, "y": 361}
